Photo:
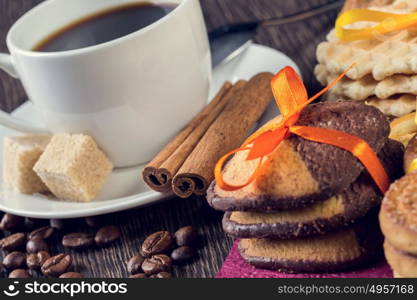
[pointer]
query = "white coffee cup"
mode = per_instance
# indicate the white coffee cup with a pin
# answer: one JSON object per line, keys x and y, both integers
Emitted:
{"x": 131, "y": 94}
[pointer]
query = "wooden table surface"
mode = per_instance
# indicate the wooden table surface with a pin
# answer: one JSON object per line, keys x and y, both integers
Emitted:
{"x": 297, "y": 39}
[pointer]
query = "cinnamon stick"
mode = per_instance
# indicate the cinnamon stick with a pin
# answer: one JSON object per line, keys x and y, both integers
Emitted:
{"x": 159, "y": 172}
{"x": 225, "y": 134}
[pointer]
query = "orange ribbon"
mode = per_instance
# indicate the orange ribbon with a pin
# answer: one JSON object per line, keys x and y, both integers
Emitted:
{"x": 291, "y": 97}
{"x": 385, "y": 23}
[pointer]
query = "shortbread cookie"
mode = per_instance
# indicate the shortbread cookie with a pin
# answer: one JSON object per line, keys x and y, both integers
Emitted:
{"x": 398, "y": 216}
{"x": 301, "y": 172}
{"x": 396, "y": 84}
{"x": 20, "y": 153}
{"x": 403, "y": 264}
{"x": 322, "y": 217}
{"x": 73, "y": 167}
{"x": 346, "y": 249}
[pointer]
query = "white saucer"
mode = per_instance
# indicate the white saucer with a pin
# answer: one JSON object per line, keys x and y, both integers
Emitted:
{"x": 125, "y": 188}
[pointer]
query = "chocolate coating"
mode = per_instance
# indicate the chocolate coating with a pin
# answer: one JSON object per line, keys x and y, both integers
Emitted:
{"x": 358, "y": 199}
{"x": 369, "y": 240}
{"x": 334, "y": 169}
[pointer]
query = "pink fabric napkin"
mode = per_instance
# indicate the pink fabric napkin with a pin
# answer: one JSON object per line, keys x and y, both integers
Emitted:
{"x": 235, "y": 267}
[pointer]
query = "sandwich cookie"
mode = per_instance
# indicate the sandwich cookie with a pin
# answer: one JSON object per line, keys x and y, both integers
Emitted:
{"x": 301, "y": 172}
{"x": 322, "y": 217}
{"x": 339, "y": 251}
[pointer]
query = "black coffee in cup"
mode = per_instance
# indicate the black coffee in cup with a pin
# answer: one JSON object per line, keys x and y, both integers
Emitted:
{"x": 104, "y": 26}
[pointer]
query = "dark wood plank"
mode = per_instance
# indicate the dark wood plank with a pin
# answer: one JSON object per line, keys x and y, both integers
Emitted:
{"x": 11, "y": 90}
{"x": 298, "y": 40}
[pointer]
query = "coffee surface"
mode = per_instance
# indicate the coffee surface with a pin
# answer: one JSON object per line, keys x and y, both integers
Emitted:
{"x": 104, "y": 26}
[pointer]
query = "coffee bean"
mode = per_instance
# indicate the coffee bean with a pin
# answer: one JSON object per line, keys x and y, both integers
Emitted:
{"x": 139, "y": 275}
{"x": 78, "y": 240}
{"x": 35, "y": 260}
{"x": 13, "y": 242}
{"x": 186, "y": 236}
{"x": 157, "y": 243}
{"x": 95, "y": 221}
{"x": 71, "y": 275}
{"x": 156, "y": 264}
{"x": 14, "y": 260}
{"x": 162, "y": 275}
{"x": 19, "y": 273}
{"x": 134, "y": 264}
{"x": 44, "y": 233}
{"x": 56, "y": 265}
{"x": 11, "y": 222}
{"x": 36, "y": 245}
{"x": 57, "y": 224}
{"x": 32, "y": 223}
{"x": 182, "y": 254}
{"x": 107, "y": 235}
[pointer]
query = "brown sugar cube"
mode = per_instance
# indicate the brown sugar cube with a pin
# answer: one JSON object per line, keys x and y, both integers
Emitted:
{"x": 73, "y": 167}
{"x": 19, "y": 156}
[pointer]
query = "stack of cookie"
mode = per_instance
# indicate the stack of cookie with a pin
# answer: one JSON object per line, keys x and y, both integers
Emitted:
{"x": 385, "y": 70}
{"x": 398, "y": 218}
{"x": 312, "y": 207}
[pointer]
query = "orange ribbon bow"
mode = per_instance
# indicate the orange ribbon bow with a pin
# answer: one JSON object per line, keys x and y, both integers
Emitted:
{"x": 291, "y": 97}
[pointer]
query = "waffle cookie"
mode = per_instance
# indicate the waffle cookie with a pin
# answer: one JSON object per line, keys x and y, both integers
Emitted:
{"x": 367, "y": 86}
{"x": 394, "y": 107}
{"x": 301, "y": 172}
{"x": 403, "y": 263}
{"x": 394, "y": 96}
{"x": 322, "y": 217}
{"x": 342, "y": 250}
{"x": 380, "y": 57}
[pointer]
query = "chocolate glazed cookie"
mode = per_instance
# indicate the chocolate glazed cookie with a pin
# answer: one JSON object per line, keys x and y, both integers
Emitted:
{"x": 301, "y": 172}
{"x": 349, "y": 248}
{"x": 323, "y": 217}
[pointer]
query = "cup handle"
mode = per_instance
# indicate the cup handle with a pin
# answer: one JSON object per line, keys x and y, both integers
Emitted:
{"x": 7, "y": 120}
{"x": 7, "y": 65}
